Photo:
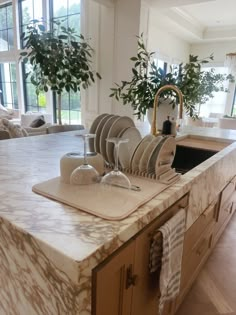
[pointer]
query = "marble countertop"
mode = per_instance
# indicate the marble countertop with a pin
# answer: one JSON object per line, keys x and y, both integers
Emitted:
{"x": 74, "y": 240}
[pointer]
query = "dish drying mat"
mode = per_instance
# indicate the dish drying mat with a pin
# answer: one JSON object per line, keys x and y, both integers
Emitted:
{"x": 105, "y": 201}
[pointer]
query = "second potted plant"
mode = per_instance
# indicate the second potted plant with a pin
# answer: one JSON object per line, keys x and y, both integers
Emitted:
{"x": 196, "y": 85}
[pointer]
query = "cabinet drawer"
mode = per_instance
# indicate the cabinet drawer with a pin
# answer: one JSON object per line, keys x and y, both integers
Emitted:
{"x": 193, "y": 259}
{"x": 226, "y": 205}
{"x": 206, "y": 220}
{"x": 227, "y": 192}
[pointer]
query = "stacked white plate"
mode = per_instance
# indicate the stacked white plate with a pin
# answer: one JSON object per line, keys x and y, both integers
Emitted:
{"x": 138, "y": 152}
{"x": 127, "y": 149}
{"x": 148, "y": 156}
{"x": 107, "y": 126}
{"x": 118, "y": 125}
{"x": 93, "y": 130}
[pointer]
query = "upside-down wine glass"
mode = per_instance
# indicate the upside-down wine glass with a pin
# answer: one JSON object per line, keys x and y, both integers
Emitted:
{"x": 116, "y": 177}
{"x": 85, "y": 174}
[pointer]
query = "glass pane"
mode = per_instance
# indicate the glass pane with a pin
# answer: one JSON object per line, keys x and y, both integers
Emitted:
{"x": 9, "y": 89}
{"x": 74, "y": 6}
{"x": 160, "y": 64}
{"x": 3, "y": 20}
{"x": 13, "y": 72}
{"x": 14, "y": 94}
{"x": 75, "y": 117}
{"x": 10, "y": 38}
{"x": 74, "y": 22}
{"x": 38, "y": 10}
{"x": 7, "y": 93}
{"x": 65, "y": 101}
{"x": 9, "y": 16}
{"x": 3, "y": 40}
{"x": 27, "y": 11}
{"x": 31, "y": 95}
{"x": 75, "y": 101}
{"x": 59, "y": 8}
{"x": 42, "y": 101}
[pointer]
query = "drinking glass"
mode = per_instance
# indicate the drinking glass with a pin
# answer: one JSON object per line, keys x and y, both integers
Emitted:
{"x": 85, "y": 174}
{"x": 116, "y": 177}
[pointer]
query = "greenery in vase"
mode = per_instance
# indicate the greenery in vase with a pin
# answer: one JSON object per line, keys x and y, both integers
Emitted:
{"x": 60, "y": 59}
{"x": 196, "y": 85}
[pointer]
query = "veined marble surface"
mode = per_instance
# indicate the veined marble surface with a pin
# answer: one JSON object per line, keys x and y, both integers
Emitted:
{"x": 48, "y": 249}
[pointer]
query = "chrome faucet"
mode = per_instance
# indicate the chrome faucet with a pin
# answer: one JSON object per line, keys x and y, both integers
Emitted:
{"x": 156, "y": 99}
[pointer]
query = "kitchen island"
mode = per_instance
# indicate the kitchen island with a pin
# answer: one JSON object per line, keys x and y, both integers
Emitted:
{"x": 48, "y": 249}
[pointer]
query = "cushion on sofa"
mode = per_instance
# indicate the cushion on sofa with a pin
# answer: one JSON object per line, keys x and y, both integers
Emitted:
{"x": 15, "y": 131}
{"x": 38, "y": 122}
{"x": 5, "y": 113}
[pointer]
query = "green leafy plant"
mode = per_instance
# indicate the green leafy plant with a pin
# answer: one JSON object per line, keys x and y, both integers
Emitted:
{"x": 60, "y": 59}
{"x": 196, "y": 85}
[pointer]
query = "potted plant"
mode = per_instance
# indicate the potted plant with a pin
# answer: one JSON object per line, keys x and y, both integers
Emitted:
{"x": 196, "y": 85}
{"x": 60, "y": 59}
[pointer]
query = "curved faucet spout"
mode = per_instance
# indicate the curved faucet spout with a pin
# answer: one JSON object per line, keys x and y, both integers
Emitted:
{"x": 156, "y": 100}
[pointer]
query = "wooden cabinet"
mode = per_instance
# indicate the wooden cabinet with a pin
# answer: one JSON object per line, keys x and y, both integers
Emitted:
{"x": 113, "y": 291}
{"x": 203, "y": 235}
{"x": 198, "y": 243}
{"x": 122, "y": 285}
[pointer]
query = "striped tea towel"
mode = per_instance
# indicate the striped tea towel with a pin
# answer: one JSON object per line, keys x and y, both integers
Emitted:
{"x": 173, "y": 237}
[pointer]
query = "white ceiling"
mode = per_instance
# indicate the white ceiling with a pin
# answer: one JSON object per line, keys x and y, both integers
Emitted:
{"x": 198, "y": 20}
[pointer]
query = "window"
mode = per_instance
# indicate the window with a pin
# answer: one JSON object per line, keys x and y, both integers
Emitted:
{"x": 15, "y": 88}
{"x": 68, "y": 12}
{"x": 6, "y": 28}
{"x": 8, "y": 94}
{"x": 29, "y": 10}
{"x": 33, "y": 102}
{"x": 217, "y": 103}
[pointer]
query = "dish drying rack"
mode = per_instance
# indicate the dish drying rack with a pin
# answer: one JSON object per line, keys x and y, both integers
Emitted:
{"x": 167, "y": 177}
{"x": 163, "y": 172}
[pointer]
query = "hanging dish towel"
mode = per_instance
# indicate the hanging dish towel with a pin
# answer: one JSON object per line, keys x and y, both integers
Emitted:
{"x": 172, "y": 250}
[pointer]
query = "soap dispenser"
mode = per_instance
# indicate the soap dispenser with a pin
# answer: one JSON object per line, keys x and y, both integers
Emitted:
{"x": 173, "y": 126}
{"x": 166, "y": 127}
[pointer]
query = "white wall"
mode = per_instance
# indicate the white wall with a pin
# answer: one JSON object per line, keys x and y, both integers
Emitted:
{"x": 127, "y": 27}
{"x": 113, "y": 30}
{"x": 98, "y": 25}
{"x": 169, "y": 47}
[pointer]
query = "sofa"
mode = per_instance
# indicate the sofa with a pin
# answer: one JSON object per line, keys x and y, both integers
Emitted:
{"x": 227, "y": 123}
{"x": 28, "y": 118}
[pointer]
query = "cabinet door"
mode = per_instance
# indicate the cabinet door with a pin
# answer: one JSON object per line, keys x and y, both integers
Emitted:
{"x": 226, "y": 209}
{"x": 112, "y": 293}
{"x": 146, "y": 289}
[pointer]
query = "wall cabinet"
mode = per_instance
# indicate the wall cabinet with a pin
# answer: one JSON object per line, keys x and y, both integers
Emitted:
{"x": 122, "y": 284}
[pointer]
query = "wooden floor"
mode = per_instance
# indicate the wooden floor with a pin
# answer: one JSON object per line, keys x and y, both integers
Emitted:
{"x": 214, "y": 291}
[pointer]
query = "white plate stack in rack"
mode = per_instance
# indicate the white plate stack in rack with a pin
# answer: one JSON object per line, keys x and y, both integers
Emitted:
{"x": 127, "y": 149}
{"x": 150, "y": 157}
{"x": 118, "y": 125}
{"x": 93, "y": 130}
